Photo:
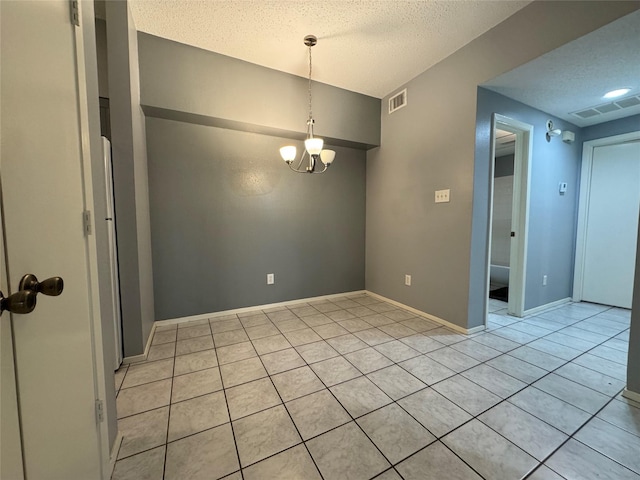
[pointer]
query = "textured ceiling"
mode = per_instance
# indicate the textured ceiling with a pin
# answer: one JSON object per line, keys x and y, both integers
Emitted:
{"x": 576, "y": 76}
{"x": 366, "y": 46}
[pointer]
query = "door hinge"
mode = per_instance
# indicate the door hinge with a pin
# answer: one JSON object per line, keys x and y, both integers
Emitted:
{"x": 75, "y": 13}
{"x": 99, "y": 411}
{"x": 86, "y": 222}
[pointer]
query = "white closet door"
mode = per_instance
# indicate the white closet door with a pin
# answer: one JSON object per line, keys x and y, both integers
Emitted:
{"x": 57, "y": 348}
{"x": 612, "y": 225}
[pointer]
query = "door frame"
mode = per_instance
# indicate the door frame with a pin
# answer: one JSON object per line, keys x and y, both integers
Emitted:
{"x": 520, "y": 210}
{"x": 588, "y": 149}
{"x": 91, "y": 154}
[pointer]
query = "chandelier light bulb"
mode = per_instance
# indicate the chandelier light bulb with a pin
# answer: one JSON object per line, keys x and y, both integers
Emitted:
{"x": 327, "y": 156}
{"x": 313, "y": 145}
{"x": 288, "y": 153}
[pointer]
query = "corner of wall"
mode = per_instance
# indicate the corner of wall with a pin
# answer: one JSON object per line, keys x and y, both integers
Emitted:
{"x": 141, "y": 174}
{"x": 130, "y": 179}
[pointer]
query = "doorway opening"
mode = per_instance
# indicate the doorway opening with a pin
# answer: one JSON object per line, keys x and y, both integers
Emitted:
{"x": 511, "y": 150}
{"x": 502, "y": 197}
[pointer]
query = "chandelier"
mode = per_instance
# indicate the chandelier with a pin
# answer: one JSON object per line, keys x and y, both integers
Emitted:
{"x": 312, "y": 145}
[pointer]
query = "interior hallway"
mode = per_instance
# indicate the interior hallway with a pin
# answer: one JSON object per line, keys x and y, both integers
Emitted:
{"x": 358, "y": 388}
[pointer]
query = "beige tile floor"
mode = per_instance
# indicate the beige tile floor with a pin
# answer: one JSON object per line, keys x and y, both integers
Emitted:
{"x": 356, "y": 388}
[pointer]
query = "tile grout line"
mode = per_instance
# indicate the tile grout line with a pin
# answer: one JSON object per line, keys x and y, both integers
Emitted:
{"x": 570, "y": 437}
{"x": 166, "y": 438}
{"x": 302, "y": 440}
{"x": 285, "y": 409}
{"x": 353, "y": 419}
{"x": 226, "y": 402}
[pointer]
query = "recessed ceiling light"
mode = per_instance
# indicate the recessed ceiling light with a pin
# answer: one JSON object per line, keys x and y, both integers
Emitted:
{"x": 617, "y": 93}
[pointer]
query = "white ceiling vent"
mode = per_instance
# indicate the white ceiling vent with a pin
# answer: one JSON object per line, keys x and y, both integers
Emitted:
{"x": 608, "y": 107}
{"x": 398, "y": 101}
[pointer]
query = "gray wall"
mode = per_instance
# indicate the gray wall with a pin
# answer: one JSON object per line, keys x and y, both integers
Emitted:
{"x": 552, "y": 217}
{"x": 225, "y": 211}
{"x": 101, "y": 52}
{"x": 504, "y": 166}
{"x": 130, "y": 179}
{"x": 429, "y": 145}
{"x": 609, "y": 129}
{"x": 181, "y": 78}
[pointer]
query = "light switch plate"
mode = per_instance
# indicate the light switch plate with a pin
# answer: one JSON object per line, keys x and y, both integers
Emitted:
{"x": 442, "y": 196}
{"x": 562, "y": 188}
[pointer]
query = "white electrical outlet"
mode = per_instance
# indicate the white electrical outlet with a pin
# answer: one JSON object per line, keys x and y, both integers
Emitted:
{"x": 270, "y": 279}
{"x": 442, "y": 196}
{"x": 544, "y": 280}
{"x": 407, "y": 280}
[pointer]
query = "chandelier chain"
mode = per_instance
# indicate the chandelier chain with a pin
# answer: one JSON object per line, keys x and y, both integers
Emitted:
{"x": 310, "y": 112}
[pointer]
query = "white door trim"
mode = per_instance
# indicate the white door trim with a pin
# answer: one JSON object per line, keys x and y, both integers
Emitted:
{"x": 583, "y": 203}
{"x": 520, "y": 209}
{"x": 91, "y": 154}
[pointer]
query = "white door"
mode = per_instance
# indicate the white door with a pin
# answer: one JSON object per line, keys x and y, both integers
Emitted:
{"x": 10, "y": 448}
{"x": 44, "y": 194}
{"x": 612, "y": 225}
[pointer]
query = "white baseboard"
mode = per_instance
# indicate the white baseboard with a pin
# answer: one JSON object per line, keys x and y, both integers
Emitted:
{"x": 134, "y": 359}
{"x": 547, "y": 306}
{"x": 204, "y": 316}
{"x": 452, "y": 326}
{"x": 477, "y": 329}
{"x": 631, "y": 395}
{"x": 114, "y": 453}
{"x": 143, "y": 356}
